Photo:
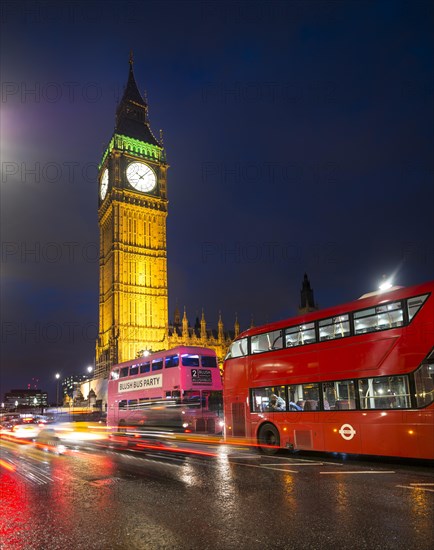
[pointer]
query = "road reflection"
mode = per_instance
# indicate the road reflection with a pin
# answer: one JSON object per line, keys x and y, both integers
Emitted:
{"x": 156, "y": 490}
{"x": 15, "y": 511}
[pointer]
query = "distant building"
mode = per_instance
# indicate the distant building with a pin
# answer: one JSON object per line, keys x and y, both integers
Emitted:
{"x": 25, "y": 399}
{"x": 181, "y": 333}
{"x": 307, "y": 301}
{"x": 71, "y": 385}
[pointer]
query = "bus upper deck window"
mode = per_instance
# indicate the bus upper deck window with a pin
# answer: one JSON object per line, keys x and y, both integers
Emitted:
{"x": 300, "y": 335}
{"x": 414, "y": 305}
{"x": 237, "y": 349}
{"x": 266, "y": 341}
{"x": 124, "y": 372}
{"x": 189, "y": 360}
{"x": 209, "y": 361}
{"x": 134, "y": 370}
{"x": 172, "y": 361}
{"x": 145, "y": 367}
{"x": 157, "y": 364}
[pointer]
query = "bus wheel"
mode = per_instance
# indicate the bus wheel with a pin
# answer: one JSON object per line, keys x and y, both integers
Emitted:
{"x": 122, "y": 426}
{"x": 268, "y": 439}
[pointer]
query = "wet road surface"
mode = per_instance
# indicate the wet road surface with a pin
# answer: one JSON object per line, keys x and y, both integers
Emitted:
{"x": 227, "y": 497}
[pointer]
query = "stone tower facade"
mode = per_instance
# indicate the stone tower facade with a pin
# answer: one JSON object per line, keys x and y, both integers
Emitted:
{"x": 132, "y": 211}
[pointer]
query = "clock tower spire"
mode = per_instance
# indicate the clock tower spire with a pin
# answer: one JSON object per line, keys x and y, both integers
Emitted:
{"x": 132, "y": 113}
{"x": 132, "y": 211}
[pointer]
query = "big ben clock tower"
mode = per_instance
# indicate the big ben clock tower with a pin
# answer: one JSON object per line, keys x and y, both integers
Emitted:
{"x": 133, "y": 308}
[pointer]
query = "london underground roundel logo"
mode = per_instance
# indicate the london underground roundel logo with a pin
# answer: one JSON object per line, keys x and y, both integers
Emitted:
{"x": 347, "y": 431}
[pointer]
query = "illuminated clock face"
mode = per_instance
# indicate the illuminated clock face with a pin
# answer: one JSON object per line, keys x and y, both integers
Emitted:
{"x": 104, "y": 184}
{"x": 141, "y": 177}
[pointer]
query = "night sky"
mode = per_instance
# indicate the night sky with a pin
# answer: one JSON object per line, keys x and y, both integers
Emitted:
{"x": 299, "y": 137}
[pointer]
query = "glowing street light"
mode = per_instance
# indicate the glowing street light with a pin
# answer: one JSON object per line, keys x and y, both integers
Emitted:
{"x": 57, "y": 376}
{"x": 89, "y": 370}
{"x": 386, "y": 283}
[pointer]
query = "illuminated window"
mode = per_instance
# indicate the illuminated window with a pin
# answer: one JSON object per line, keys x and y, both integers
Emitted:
{"x": 339, "y": 395}
{"x": 334, "y": 327}
{"x": 424, "y": 381}
{"x": 269, "y": 399}
{"x": 382, "y": 317}
{"x": 303, "y": 397}
{"x": 300, "y": 335}
{"x": 237, "y": 349}
{"x": 414, "y": 305}
{"x": 386, "y": 392}
{"x": 267, "y": 341}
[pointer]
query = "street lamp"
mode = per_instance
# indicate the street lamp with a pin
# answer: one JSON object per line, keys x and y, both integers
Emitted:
{"x": 89, "y": 370}
{"x": 57, "y": 375}
{"x": 385, "y": 285}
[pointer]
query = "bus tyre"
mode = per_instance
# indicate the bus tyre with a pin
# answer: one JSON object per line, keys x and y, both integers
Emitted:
{"x": 268, "y": 439}
{"x": 122, "y": 427}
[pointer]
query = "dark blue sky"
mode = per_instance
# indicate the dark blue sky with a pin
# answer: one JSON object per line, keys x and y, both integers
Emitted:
{"x": 299, "y": 135}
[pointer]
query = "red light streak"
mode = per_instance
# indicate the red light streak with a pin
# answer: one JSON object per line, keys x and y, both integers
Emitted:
{"x": 7, "y": 466}
{"x": 15, "y": 439}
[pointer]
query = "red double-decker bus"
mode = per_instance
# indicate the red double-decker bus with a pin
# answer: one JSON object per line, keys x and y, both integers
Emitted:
{"x": 357, "y": 379}
{"x": 178, "y": 389}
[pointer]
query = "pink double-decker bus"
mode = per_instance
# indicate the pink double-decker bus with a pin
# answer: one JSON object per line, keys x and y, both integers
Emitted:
{"x": 178, "y": 389}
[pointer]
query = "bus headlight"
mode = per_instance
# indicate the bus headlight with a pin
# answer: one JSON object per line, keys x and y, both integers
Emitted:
{"x": 185, "y": 425}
